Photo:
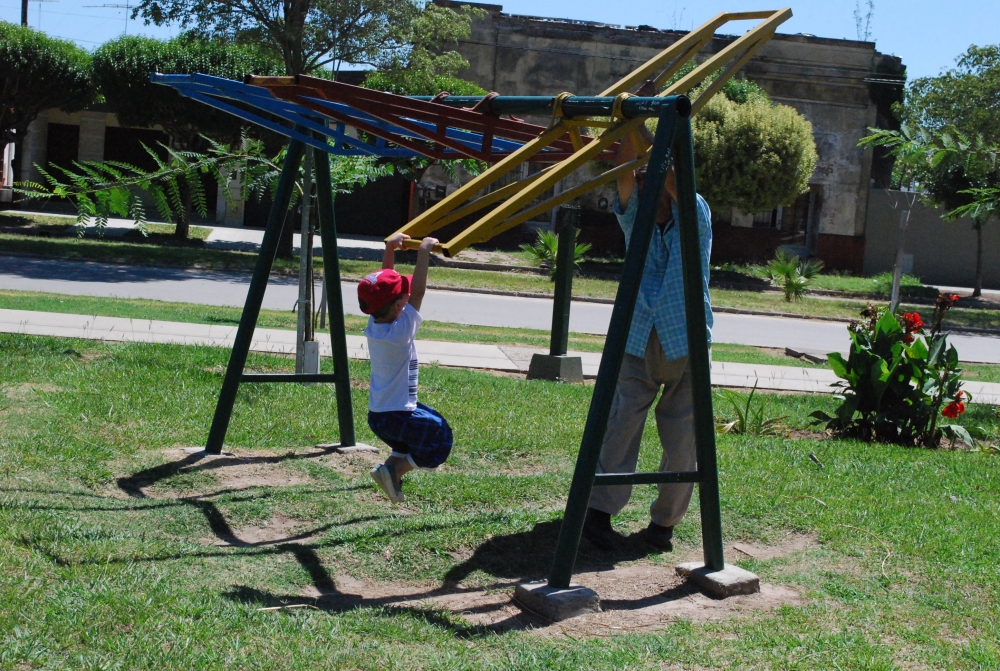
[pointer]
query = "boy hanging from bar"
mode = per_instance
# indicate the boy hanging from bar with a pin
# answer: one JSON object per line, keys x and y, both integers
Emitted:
{"x": 655, "y": 358}
{"x": 418, "y": 435}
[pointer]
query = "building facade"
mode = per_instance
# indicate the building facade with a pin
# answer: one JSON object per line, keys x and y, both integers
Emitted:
{"x": 842, "y": 86}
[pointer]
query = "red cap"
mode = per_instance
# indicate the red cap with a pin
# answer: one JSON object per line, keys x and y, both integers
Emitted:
{"x": 380, "y": 288}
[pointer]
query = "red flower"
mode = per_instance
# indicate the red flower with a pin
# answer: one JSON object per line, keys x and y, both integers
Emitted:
{"x": 953, "y": 409}
{"x": 907, "y": 338}
{"x": 912, "y": 322}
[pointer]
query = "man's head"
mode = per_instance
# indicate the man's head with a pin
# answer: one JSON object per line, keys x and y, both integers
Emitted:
{"x": 383, "y": 294}
{"x": 667, "y": 194}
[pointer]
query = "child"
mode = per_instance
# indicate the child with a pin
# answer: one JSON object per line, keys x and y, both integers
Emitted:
{"x": 418, "y": 435}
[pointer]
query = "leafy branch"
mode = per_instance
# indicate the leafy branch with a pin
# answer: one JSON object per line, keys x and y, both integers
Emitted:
{"x": 100, "y": 190}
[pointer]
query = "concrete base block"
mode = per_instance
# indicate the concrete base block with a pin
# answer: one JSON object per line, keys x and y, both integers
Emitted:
{"x": 560, "y": 368}
{"x": 557, "y": 604}
{"x": 201, "y": 451}
{"x": 350, "y": 449}
{"x": 730, "y": 581}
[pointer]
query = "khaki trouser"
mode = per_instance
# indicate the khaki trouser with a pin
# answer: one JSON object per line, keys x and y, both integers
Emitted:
{"x": 638, "y": 383}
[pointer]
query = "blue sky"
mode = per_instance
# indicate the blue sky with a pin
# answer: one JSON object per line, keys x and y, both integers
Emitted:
{"x": 925, "y": 36}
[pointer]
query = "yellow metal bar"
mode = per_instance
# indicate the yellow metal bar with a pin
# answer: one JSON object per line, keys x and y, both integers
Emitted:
{"x": 517, "y": 208}
{"x": 654, "y": 64}
{"x": 564, "y": 197}
{"x": 478, "y": 204}
{"x": 427, "y": 221}
{"x": 558, "y": 172}
{"x": 721, "y": 80}
{"x": 752, "y": 40}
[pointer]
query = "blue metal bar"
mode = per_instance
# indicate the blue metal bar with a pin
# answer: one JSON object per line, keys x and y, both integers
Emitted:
{"x": 208, "y": 89}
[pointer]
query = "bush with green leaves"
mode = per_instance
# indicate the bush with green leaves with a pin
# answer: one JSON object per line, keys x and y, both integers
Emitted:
{"x": 897, "y": 380}
{"x": 546, "y": 250}
{"x": 791, "y": 273}
{"x": 753, "y": 155}
{"x": 38, "y": 72}
{"x": 750, "y": 153}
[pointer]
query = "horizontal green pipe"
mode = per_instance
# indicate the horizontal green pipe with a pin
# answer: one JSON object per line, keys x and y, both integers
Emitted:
{"x": 580, "y": 106}
{"x": 604, "y": 479}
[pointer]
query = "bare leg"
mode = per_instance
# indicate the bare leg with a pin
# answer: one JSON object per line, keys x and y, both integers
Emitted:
{"x": 398, "y": 467}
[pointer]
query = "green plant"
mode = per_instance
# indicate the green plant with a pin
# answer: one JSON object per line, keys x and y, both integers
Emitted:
{"x": 546, "y": 248}
{"x": 897, "y": 380}
{"x": 751, "y": 418}
{"x": 791, "y": 273}
{"x": 100, "y": 190}
{"x": 38, "y": 73}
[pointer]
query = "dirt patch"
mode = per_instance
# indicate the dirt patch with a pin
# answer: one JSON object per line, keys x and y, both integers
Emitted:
{"x": 806, "y": 434}
{"x": 278, "y": 529}
{"x": 791, "y": 543}
{"x": 641, "y": 596}
{"x": 234, "y": 471}
{"x": 20, "y": 391}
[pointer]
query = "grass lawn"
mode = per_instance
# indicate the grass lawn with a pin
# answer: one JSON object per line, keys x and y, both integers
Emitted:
{"x": 119, "y": 551}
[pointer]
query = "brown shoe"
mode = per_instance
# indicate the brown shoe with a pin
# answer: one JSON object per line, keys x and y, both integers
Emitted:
{"x": 659, "y": 537}
{"x": 598, "y": 530}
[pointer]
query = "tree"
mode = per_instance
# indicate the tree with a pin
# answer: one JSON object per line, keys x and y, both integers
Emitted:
{"x": 38, "y": 73}
{"x": 121, "y": 72}
{"x": 966, "y": 98}
{"x": 750, "y": 153}
{"x": 308, "y": 34}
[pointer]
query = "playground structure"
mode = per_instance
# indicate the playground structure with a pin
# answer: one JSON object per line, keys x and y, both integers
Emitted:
{"x": 322, "y": 115}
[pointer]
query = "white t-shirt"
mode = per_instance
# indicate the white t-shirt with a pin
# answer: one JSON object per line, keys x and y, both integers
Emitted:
{"x": 394, "y": 362}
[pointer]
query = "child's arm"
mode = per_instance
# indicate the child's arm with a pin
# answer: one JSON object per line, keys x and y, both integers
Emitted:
{"x": 419, "y": 285}
{"x": 394, "y": 242}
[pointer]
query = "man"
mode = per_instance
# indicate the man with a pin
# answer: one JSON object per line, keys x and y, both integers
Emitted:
{"x": 655, "y": 357}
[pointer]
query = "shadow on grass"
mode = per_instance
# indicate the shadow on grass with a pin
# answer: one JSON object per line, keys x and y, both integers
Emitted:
{"x": 528, "y": 555}
{"x": 199, "y": 461}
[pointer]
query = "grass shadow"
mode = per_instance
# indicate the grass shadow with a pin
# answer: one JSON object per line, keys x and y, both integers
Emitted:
{"x": 528, "y": 555}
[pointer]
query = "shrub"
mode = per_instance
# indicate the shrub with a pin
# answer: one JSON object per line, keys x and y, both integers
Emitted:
{"x": 897, "y": 380}
{"x": 792, "y": 274}
{"x": 546, "y": 249}
{"x": 752, "y": 155}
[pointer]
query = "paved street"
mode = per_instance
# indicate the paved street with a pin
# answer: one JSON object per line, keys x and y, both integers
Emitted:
{"x": 216, "y": 288}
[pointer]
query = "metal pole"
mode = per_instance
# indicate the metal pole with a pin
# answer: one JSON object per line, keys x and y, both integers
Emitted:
{"x": 331, "y": 280}
{"x": 304, "y": 304}
{"x": 897, "y": 269}
{"x": 698, "y": 357}
{"x": 255, "y": 296}
{"x": 614, "y": 349}
{"x": 24, "y": 13}
{"x": 559, "y": 343}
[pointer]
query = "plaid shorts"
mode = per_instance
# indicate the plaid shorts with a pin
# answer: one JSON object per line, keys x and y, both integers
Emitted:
{"x": 422, "y": 435}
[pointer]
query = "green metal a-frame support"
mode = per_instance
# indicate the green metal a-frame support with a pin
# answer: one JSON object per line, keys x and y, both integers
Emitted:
{"x": 235, "y": 374}
{"x": 671, "y": 144}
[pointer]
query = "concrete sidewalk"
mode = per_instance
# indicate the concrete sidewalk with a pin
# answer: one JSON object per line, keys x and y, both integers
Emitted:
{"x": 361, "y": 247}
{"x": 463, "y": 355}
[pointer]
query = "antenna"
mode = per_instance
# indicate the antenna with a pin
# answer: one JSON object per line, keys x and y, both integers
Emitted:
{"x": 39, "y": 11}
{"x": 126, "y": 7}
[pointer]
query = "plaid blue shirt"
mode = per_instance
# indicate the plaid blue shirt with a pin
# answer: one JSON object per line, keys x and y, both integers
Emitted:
{"x": 661, "y": 292}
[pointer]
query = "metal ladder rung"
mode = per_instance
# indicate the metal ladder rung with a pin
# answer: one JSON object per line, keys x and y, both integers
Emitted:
{"x": 289, "y": 377}
{"x": 604, "y": 479}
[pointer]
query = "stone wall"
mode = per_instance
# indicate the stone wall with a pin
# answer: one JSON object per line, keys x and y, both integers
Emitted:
{"x": 941, "y": 252}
